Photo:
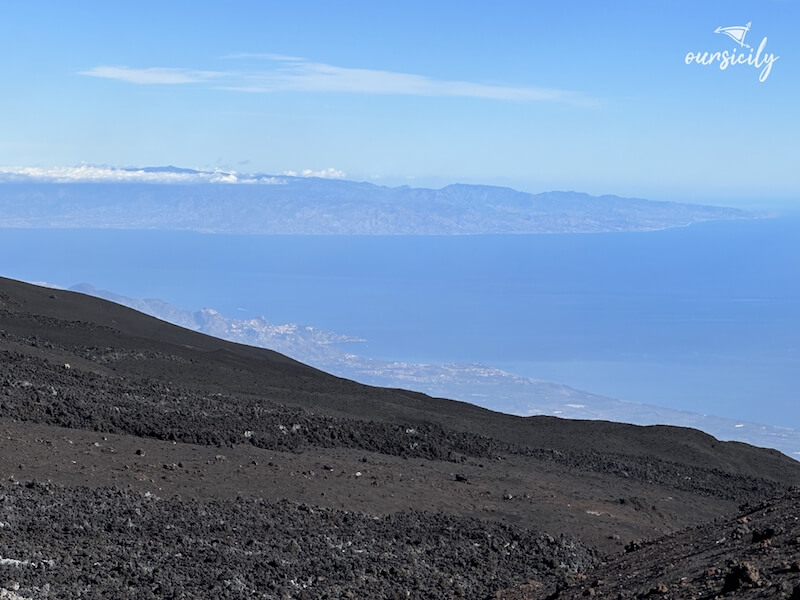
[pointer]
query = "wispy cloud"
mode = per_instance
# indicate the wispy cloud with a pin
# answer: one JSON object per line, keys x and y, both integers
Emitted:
{"x": 293, "y": 74}
{"x": 154, "y": 75}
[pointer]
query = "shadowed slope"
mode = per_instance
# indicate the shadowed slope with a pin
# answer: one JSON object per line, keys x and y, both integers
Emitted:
{"x": 234, "y": 368}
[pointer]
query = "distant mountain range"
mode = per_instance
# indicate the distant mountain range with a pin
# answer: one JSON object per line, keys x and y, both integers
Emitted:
{"x": 477, "y": 384}
{"x": 172, "y": 198}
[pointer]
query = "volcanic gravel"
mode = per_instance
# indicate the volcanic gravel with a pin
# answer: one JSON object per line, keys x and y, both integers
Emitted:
{"x": 114, "y": 481}
{"x": 77, "y": 542}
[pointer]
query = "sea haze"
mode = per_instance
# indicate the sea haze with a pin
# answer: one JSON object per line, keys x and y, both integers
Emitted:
{"x": 703, "y": 318}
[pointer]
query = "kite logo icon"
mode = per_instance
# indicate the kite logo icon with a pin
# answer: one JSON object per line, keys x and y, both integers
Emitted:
{"x": 745, "y": 54}
{"x": 736, "y": 33}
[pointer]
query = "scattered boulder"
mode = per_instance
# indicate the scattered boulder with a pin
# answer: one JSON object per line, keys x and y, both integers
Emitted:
{"x": 741, "y": 575}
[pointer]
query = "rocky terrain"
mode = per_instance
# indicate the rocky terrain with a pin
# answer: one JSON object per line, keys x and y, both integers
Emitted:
{"x": 142, "y": 460}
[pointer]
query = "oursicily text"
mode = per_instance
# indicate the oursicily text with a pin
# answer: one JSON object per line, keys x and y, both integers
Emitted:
{"x": 758, "y": 59}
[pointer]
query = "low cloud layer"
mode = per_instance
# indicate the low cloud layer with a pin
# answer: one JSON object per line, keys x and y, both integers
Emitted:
{"x": 329, "y": 173}
{"x": 93, "y": 173}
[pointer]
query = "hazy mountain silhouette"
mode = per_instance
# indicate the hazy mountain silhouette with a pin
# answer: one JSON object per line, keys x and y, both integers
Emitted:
{"x": 300, "y": 205}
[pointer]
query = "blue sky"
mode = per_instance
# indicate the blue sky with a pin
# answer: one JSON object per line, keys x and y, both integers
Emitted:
{"x": 584, "y": 95}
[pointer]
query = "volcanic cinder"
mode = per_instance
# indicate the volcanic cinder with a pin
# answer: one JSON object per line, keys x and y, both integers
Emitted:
{"x": 142, "y": 460}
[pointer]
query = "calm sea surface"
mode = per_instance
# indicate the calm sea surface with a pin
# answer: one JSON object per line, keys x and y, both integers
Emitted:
{"x": 705, "y": 318}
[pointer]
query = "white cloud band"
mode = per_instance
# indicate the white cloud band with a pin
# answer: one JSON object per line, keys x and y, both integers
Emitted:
{"x": 94, "y": 173}
{"x": 292, "y": 74}
{"x": 101, "y": 173}
{"x": 329, "y": 173}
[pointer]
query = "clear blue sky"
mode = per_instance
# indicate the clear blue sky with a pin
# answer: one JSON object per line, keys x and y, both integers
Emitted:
{"x": 587, "y": 95}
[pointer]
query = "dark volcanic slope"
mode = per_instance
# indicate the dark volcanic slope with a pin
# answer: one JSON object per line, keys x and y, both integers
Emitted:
{"x": 252, "y": 475}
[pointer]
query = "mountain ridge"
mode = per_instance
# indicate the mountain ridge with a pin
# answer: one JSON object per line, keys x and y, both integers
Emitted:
{"x": 478, "y": 384}
{"x": 284, "y": 205}
{"x": 112, "y": 318}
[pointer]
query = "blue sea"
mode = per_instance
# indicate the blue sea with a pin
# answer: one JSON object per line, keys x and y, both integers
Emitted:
{"x": 703, "y": 318}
